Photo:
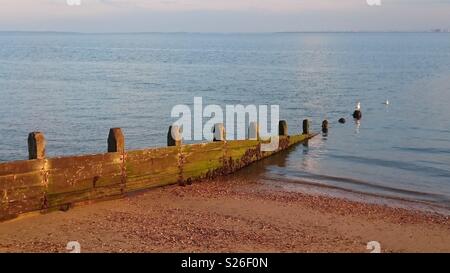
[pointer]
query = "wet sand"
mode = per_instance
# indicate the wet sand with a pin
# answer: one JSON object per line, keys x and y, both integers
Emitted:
{"x": 228, "y": 215}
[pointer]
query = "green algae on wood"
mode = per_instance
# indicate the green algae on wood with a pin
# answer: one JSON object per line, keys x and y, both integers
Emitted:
{"x": 57, "y": 183}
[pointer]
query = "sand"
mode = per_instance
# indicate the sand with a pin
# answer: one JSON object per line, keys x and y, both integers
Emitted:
{"x": 228, "y": 215}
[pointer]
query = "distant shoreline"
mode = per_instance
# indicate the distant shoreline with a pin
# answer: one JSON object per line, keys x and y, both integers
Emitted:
{"x": 222, "y": 33}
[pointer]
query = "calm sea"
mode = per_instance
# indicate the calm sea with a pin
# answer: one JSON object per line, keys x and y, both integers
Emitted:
{"x": 74, "y": 87}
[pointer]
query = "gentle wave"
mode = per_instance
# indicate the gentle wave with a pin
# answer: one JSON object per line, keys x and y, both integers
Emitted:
{"x": 430, "y": 171}
{"x": 424, "y": 150}
{"x": 316, "y": 180}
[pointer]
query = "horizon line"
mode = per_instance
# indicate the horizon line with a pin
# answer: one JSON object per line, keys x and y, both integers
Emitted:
{"x": 437, "y": 30}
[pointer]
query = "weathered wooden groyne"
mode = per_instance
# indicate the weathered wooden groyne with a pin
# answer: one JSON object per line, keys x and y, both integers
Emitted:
{"x": 45, "y": 184}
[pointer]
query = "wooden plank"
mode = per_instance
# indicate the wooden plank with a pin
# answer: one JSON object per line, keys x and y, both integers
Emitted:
{"x": 240, "y": 153}
{"x": 22, "y": 166}
{"x": 294, "y": 139}
{"x": 21, "y": 187}
{"x": 152, "y": 167}
{"x": 81, "y": 178}
{"x": 203, "y": 160}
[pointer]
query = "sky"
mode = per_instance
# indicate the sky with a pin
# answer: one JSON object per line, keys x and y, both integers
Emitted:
{"x": 223, "y": 15}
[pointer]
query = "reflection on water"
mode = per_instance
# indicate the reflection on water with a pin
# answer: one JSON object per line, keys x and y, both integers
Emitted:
{"x": 307, "y": 162}
{"x": 357, "y": 125}
{"x": 288, "y": 172}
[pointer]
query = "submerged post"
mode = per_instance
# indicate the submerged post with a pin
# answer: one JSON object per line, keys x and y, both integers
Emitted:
{"x": 357, "y": 114}
{"x": 253, "y": 131}
{"x": 219, "y": 132}
{"x": 325, "y": 126}
{"x": 116, "y": 141}
{"x": 36, "y": 145}
{"x": 174, "y": 137}
{"x": 305, "y": 126}
{"x": 282, "y": 128}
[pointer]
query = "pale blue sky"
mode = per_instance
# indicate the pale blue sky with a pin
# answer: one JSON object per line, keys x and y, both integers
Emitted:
{"x": 223, "y": 15}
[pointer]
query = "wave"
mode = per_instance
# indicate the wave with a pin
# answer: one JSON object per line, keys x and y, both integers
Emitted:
{"x": 360, "y": 187}
{"x": 425, "y": 150}
{"x": 430, "y": 171}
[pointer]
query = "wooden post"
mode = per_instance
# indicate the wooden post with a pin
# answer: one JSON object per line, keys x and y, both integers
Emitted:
{"x": 174, "y": 137}
{"x": 357, "y": 114}
{"x": 325, "y": 126}
{"x": 219, "y": 132}
{"x": 36, "y": 145}
{"x": 282, "y": 128}
{"x": 253, "y": 131}
{"x": 305, "y": 126}
{"x": 116, "y": 141}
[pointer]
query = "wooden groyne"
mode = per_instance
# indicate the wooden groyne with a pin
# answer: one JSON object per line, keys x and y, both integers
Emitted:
{"x": 45, "y": 184}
